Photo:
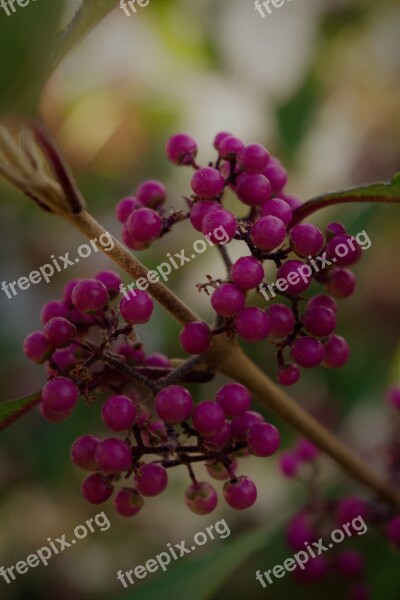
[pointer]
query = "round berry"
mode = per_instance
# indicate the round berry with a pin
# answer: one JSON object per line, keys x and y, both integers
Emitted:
{"x": 335, "y": 228}
{"x": 207, "y": 183}
{"x": 300, "y": 530}
{"x": 97, "y": 488}
{"x": 306, "y": 239}
{"x": 151, "y": 479}
{"x": 134, "y": 356}
{"x": 253, "y": 158}
{"x": 60, "y": 394}
{"x": 253, "y": 189}
{"x": 307, "y": 352}
{"x": 113, "y": 456}
{"x": 125, "y": 208}
{"x": 64, "y": 358}
{"x": 83, "y": 452}
{"x": 200, "y": 209}
{"x": 59, "y": 331}
{"x": 53, "y": 417}
{"x": 350, "y": 563}
{"x": 217, "y": 222}
{"x": 128, "y": 502}
{"x": 263, "y": 439}
{"x": 242, "y": 424}
{"x": 297, "y": 276}
{"x": 130, "y": 242}
{"x": 288, "y": 464}
{"x": 337, "y": 352}
{"x": 219, "y": 440}
{"x": 343, "y": 250}
{"x": 306, "y": 450}
{"x": 208, "y": 418}
{"x": 89, "y": 296}
{"x": 151, "y": 193}
{"x": 349, "y": 508}
{"x": 292, "y": 201}
{"x": 240, "y": 494}
{"x": 157, "y": 359}
{"x": 118, "y": 413}
{"x": 195, "y": 338}
{"x": 111, "y": 280}
{"x": 219, "y": 137}
{"x": 247, "y": 272}
{"x": 392, "y": 531}
{"x": 228, "y": 300}
{"x": 288, "y": 375}
{"x": 136, "y": 307}
{"x": 341, "y": 283}
{"x": 174, "y": 404}
{"x": 53, "y": 309}
{"x": 67, "y": 292}
{"x": 253, "y": 324}
{"x": 276, "y": 174}
{"x": 268, "y": 233}
{"x": 234, "y": 399}
{"x": 201, "y": 498}
{"x": 282, "y": 320}
{"x": 37, "y": 347}
{"x": 181, "y": 149}
{"x": 319, "y": 321}
{"x": 229, "y": 147}
{"x": 144, "y": 225}
{"x": 322, "y": 300}
{"x": 277, "y": 208}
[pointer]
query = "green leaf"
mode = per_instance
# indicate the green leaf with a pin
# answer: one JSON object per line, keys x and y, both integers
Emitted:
{"x": 203, "y": 576}
{"x": 28, "y": 38}
{"x": 85, "y": 19}
{"x": 13, "y": 410}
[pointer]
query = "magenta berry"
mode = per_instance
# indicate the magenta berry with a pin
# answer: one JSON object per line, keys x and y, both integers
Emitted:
{"x": 219, "y": 440}
{"x": 151, "y": 193}
{"x": 341, "y": 283}
{"x": 151, "y": 479}
{"x": 174, "y": 404}
{"x": 128, "y": 502}
{"x": 111, "y": 280}
{"x": 229, "y": 147}
{"x": 144, "y": 225}
{"x": 307, "y": 352}
{"x": 219, "y": 137}
{"x": 319, "y": 321}
{"x": 228, "y": 300}
{"x": 201, "y": 498}
{"x": 136, "y": 307}
{"x": 240, "y": 494}
{"x": 306, "y": 239}
{"x": 282, "y": 320}
{"x": 300, "y": 530}
{"x": 208, "y": 418}
{"x": 253, "y": 158}
{"x": 64, "y": 358}
{"x": 349, "y": 563}
{"x": 181, "y": 149}
{"x": 89, "y": 296}
{"x": 219, "y": 226}
{"x": 59, "y": 331}
{"x": 337, "y": 352}
{"x": 157, "y": 359}
{"x": 242, "y": 424}
{"x": 113, "y": 456}
{"x": 60, "y": 394}
{"x": 268, "y": 233}
{"x": 53, "y": 309}
{"x": 349, "y": 508}
{"x": 200, "y": 209}
{"x": 195, "y": 338}
{"x": 288, "y": 375}
{"x": 97, "y": 488}
{"x": 276, "y": 174}
{"x": 83, "y": 452}
{"x": 207, "y": 183}
{"x": 322, "y": 300}
{"x": 253, "y": 324}
{"x": 247, "y": 272}
{"x": 263, "y": 439}
{"x": 291, "y": 200}
{"x": 130, "y": 242}
{"x": 118, "y": 413}
{"x": 253, "y": 189}
{"x": 335, "y": 229}
{"x": 37, "y": 347}
{"x": 306, "y": 450}
{"x": 288, "y": 463}
{"x": 343, "y": 250}
{"x": 297, "y": 276}
{"x": 125, "y": 208}
{"x": 277, "y": 208}
{"x": 52, "y": 416}
{"x": 234, "y": 399}
{"x": 392, "y": 531}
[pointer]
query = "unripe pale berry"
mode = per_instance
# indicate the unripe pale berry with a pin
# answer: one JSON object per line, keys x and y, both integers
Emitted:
{"x": 234, "y": 399}
{"x": 89, "y": 296}
{"x": 218, "y": 470}
{"x": 201, "y": 498}
{"x": 136, "y": 307}
{"x": 83, "y": 452}
{"x": 60, "y": 394}
{"x": 128, "y": 502}
{"x": 97, "y": 488}
{"x": 151, "y": 479}
{"x": 37, "y": 347}
{"x": 240, "y": 494}
{"x": 174, "y": 404}
{"x": 118, "y": 413}
{"x": 113, "y": 456}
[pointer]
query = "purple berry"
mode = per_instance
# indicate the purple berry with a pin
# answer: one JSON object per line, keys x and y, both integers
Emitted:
{"x": 241, "y": 493}
{"x": 137, "y": 307}
{"x": 392, "y": 531}
{"x": 174, "y": 404}
{"x": 276, "y": 174}
{"x": 59, "y": 331}
{"x": 151, "y": 479}
{"x": 207, "y": 183}
{"x": 253, "y": 189}
{"x": 297, "y": 276}
{"x": 306, "y": 450}
{"x": 219, "y": 440}
{"x": 335, "y": 228}
{"x": 67, "y": 292}
{"x": 253, "y": 324}
{"x": 288, "y": 375}
{"x": 219, "y": 137}
{"x": 350, "y": 563}
{"x": 247, "y": 272}
{"x": 130, "y": 242}
{"x": 229, "y": 147}
{"x": 208, "y": 418}
{"x": 217, "y": 221}
{"x": 306, "y": 239}
{"x": 234, "y": 399}
{"x": 181, "y": 149}
{"x": 64, "y": 358}
{"x": 253, "y": 158}
{"x": 300, "y": 530}
{"x": 288, "y": 463}
{"x": 201, "y": 498}
{"x": 282, "y": 320}
{"x": 111, "y": 280}
{"x": 53, "y": 309}
{"x": 144, "y": 225}
{"x": 322, "y": 300}
{"x": 135, "y": 356}
{"x": 151, "y": 193}
{"x": 263, "y": 439}
{"x": 341, "y": 283}
{"x": 53, "y": 417}
{"x": 125, "y": 208}
{"x": 268, "y": 233}
{"x": 228, "y": 300}
{"x": 97, "y": 488}
{"x": 195, "y": 338}
{"x": 37, "y": 347}
{"x": 319, "y": 321}
{"x": 307, "y": 352}
{"x": 277, "y": 208}
{"x": 200, "y": 209}
{"x": 83, "y": 452}
{"x": 242, "y": 423}
{"x": 344, "y": 250}
{"x": 113, "y": 456}
{"x": 292, "y": 201}
{"x": 60, "y": 394}
{"x": 349, "y": 508}
{"x": 89, "y": 296}
{"x": 337, "y": 352}
{"x": 157, "y": 359}
{"x": 393, "y": 396}
{"x": 118, "y": 413}
{"x": 128, "y": 502}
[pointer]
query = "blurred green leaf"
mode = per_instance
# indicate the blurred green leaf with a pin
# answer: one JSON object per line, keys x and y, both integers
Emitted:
{"x": 13, "y": 410}
{"x": 28, "y": 39}
{"x": 85, "y": 19}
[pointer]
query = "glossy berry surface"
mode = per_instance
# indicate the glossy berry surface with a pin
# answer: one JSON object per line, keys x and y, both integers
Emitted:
{"x": 174, "y": 404}
{"x": 118, "y": 413}
{"x": 240, "y": 494}
{"x": 151, "y": 479}
{"x": 201, "y": 498}
{"x": 234, "y": 399}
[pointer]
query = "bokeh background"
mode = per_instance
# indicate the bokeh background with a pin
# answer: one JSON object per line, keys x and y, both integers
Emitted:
{"x": 317, "y": 82}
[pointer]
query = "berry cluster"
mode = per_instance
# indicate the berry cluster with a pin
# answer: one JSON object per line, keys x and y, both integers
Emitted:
{"x": 148, "y": 411}
{"x": 258, "y": 181}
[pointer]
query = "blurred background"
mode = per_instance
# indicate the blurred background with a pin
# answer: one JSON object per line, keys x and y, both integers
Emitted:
{"x": 317, "y": 82}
